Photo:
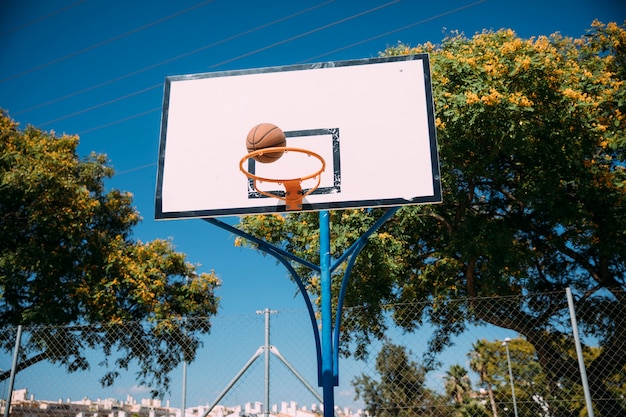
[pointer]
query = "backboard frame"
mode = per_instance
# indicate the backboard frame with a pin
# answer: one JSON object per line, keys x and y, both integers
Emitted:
{"x": 163, "y": 210}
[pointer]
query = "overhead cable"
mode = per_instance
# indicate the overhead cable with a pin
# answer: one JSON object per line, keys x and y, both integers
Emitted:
{"x": 167, "y": 61}
{"x": 238, "y": 57}
{"x": 154, "y": 110}
{"x": 352, "y": 45}
{"x": 40, "y": 18}
{"x": 99, "y": 44}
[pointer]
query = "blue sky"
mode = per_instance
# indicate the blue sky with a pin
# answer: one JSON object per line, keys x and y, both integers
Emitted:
{"x": 96, "y": 68}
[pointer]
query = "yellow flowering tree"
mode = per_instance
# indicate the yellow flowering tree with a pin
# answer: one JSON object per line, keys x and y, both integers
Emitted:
{"x": 71, "y": 272}
{"x": 532, "y": 146}
{"x": 532, "y": 139}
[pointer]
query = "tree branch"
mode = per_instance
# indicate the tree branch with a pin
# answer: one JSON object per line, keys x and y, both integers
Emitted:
{"x": 25, "y": 364}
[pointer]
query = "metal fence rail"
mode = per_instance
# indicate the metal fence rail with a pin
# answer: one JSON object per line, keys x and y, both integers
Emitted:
{"x": 268, "y": 357}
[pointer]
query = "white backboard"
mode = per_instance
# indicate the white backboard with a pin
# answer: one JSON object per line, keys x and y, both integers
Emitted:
{"x": 371, "y": 120}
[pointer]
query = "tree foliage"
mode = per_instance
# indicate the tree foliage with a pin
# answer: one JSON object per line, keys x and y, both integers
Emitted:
{"x": 535, "y": 391}
{"x": 482, "y": 361}
{"x": 70, "y": 269}
{"x": 400, "y": 390}
{"x": 457, "y": 384}
{"x": 458, "y": 387}
{"x": 532, "y": 154}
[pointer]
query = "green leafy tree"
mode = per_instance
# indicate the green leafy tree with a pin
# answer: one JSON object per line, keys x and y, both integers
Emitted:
{"x": 400, "y": 390}
{"x": 531, "y": 135}
{"x": 71, "y": 271}
{"x": 457, "y": 384}
{"x": 458, "y": 387}
{"x": 473, "y": 409}
{"x": 482, "y": 361}
{"x": 534, "y": 390}
{"x": 531, "y": 387}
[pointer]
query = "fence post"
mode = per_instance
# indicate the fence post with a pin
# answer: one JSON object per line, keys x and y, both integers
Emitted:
{"x": 18, "y": 339}
{"x": 579, "y": 352}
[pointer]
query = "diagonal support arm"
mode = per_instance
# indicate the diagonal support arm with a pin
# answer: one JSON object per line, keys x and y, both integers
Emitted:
{"x": 327, "y": 356}
{"x": 282, "y": 257}
{"x": 351, "y": 254}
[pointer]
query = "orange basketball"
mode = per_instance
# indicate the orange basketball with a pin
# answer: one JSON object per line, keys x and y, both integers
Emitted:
{"x": 266, "y": 135}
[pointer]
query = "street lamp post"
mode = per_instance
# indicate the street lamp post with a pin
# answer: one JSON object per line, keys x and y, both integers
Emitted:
{"x": 508, "y": 359}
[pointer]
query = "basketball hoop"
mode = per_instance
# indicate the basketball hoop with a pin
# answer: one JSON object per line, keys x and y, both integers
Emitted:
{"x": 293, "y": 190}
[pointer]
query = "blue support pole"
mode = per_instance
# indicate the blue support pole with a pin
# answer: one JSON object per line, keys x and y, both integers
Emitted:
{"x": 327, "y": 317}
{"x": 326, "y": 340}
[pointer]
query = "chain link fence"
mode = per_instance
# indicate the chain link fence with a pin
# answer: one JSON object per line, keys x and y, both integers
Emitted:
{"x": 465, "y": 364}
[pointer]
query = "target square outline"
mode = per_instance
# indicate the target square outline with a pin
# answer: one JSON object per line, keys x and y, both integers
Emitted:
{"x": 333, "y": 163}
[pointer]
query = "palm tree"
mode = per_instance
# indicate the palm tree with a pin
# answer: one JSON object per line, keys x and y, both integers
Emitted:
{"x": 457, "y": 384}
{"x": 480, "y": 363}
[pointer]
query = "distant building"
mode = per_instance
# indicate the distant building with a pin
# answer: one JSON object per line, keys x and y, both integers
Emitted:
{"x": 24, "y": 404}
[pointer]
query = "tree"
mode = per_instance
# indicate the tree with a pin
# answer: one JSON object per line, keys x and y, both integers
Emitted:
{"x": 458, "y": 387}
{"x": 457, "y": 384}
{"x": 482, "y": 358}
{"x": 534, "y": 390}
{"x": 531, "y": 135}
{"x": 71, "y": 272}
{"x": 473, "y": 409}
{"x": 400, "y": 390}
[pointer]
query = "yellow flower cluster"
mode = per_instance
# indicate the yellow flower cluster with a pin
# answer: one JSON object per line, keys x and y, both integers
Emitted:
{"x": 522, "y": 62}
{"x": 471, "y": 61}
{"x": 494, "y": 69}
{"x": 520, "y": 99}
{"x": 577, "y": 95}
{"x": 492, "y": 98}
{"x": 512, "y": 46}
{"x": 617, "y": 34}
{"x": 446, "y": 54}
{"x": 471, "y": 97}
{"x": 542, "y": 44}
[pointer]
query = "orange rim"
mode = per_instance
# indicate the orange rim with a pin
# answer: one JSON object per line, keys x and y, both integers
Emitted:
{"x": 293, "y": 196}
{"x": 279, "y": 149}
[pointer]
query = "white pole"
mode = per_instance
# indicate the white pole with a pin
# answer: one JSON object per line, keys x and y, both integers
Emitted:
{"x": 508, "y": 359}
{"x": 184, "y": 405}
{"x": 579, "y": 352}
{"x": 267, "y": 348}
{"x": 267, "y": 362}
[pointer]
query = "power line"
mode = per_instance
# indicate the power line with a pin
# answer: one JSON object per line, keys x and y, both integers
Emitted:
{"x": 97, "y": 106}
{"x": 354, "y": 16}
{"x": 153, "y": 110}
{"x": 305, "y": 33}
{"x": 41, "y": 18}
{"x": 125, "y": 119}
{"x": 395, "y": 30}
{"x": 139, "y": 168}
{"x": 308, "y": 60}
{"x": 99, "y": 44}
{"x": 167, "y": 61}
